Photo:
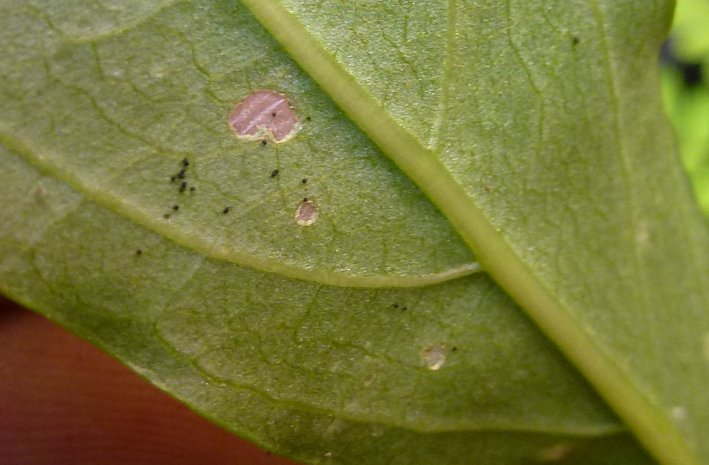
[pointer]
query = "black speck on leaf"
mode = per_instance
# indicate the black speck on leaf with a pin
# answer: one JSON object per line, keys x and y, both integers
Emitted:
{"x": 274, "y": 173}
{"x": 183, "y": 186}
{"x": 226, "y": 210}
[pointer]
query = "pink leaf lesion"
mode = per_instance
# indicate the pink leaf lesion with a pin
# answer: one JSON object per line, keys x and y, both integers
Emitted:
{"x": 264, "y": 113}
{"x": 306, "y": 213}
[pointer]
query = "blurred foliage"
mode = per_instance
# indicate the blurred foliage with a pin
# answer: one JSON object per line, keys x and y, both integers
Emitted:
{"x": 686, "y": 90}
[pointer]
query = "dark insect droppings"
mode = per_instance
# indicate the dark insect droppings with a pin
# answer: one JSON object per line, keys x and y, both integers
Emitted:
{"x": 192, "y": 189}
{"x": 181, "y": 174}
{"x": 305, "y": 181}
{"x": 226, "y": 210}
{"x": 183, "y": 186}
{"x": 185, "y": 162}
{"x": 139, "y": 252}
{"x": 274, "y": 173}
{"x": 308, "y": 118}
{"x": 263, "y": 142}
{"x": 175, "y": 207}
{"x": 173, "y": 178}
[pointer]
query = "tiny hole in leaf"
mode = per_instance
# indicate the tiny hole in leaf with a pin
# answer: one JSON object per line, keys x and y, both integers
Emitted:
{"x": 434, "y": 356}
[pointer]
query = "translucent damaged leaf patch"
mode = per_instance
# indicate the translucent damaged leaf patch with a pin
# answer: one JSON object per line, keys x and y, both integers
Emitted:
{"x": 306, "y": 213}
{"x": 264, "y": 113}
{"x": 434, "y": 356}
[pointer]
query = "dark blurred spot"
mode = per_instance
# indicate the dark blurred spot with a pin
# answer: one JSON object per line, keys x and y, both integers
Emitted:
{"x": 691, "y": 72}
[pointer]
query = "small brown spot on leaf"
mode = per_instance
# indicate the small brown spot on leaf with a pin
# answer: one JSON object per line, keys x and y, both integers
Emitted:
{"x": 40, "y": 193}
{"x": 555, "y": 452}
{"x": 306, "y": 213}
{"x": 264, "y": 113}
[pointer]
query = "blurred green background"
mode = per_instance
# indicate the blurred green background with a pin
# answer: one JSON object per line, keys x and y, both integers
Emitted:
{"x": 685, "y": 81}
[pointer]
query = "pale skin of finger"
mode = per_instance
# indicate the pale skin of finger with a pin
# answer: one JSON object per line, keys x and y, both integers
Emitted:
{"x": 63, "y": 401}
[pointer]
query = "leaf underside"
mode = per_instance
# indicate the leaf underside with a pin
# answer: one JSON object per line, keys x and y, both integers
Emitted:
{"x": 365, "y": 337}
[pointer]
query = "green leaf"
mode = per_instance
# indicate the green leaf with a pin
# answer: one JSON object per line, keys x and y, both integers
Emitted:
{"x": 690, "y": 31}
{"x": 368, "y": 336}
{"x": 688, "y": 105}
{"x": 688, "y": 109}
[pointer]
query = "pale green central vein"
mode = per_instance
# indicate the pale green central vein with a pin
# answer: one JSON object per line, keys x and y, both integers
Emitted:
{"x": 495, "y": 254}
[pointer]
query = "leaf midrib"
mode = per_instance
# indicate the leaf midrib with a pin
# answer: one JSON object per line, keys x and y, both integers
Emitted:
{"x": 497, "y": 257}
